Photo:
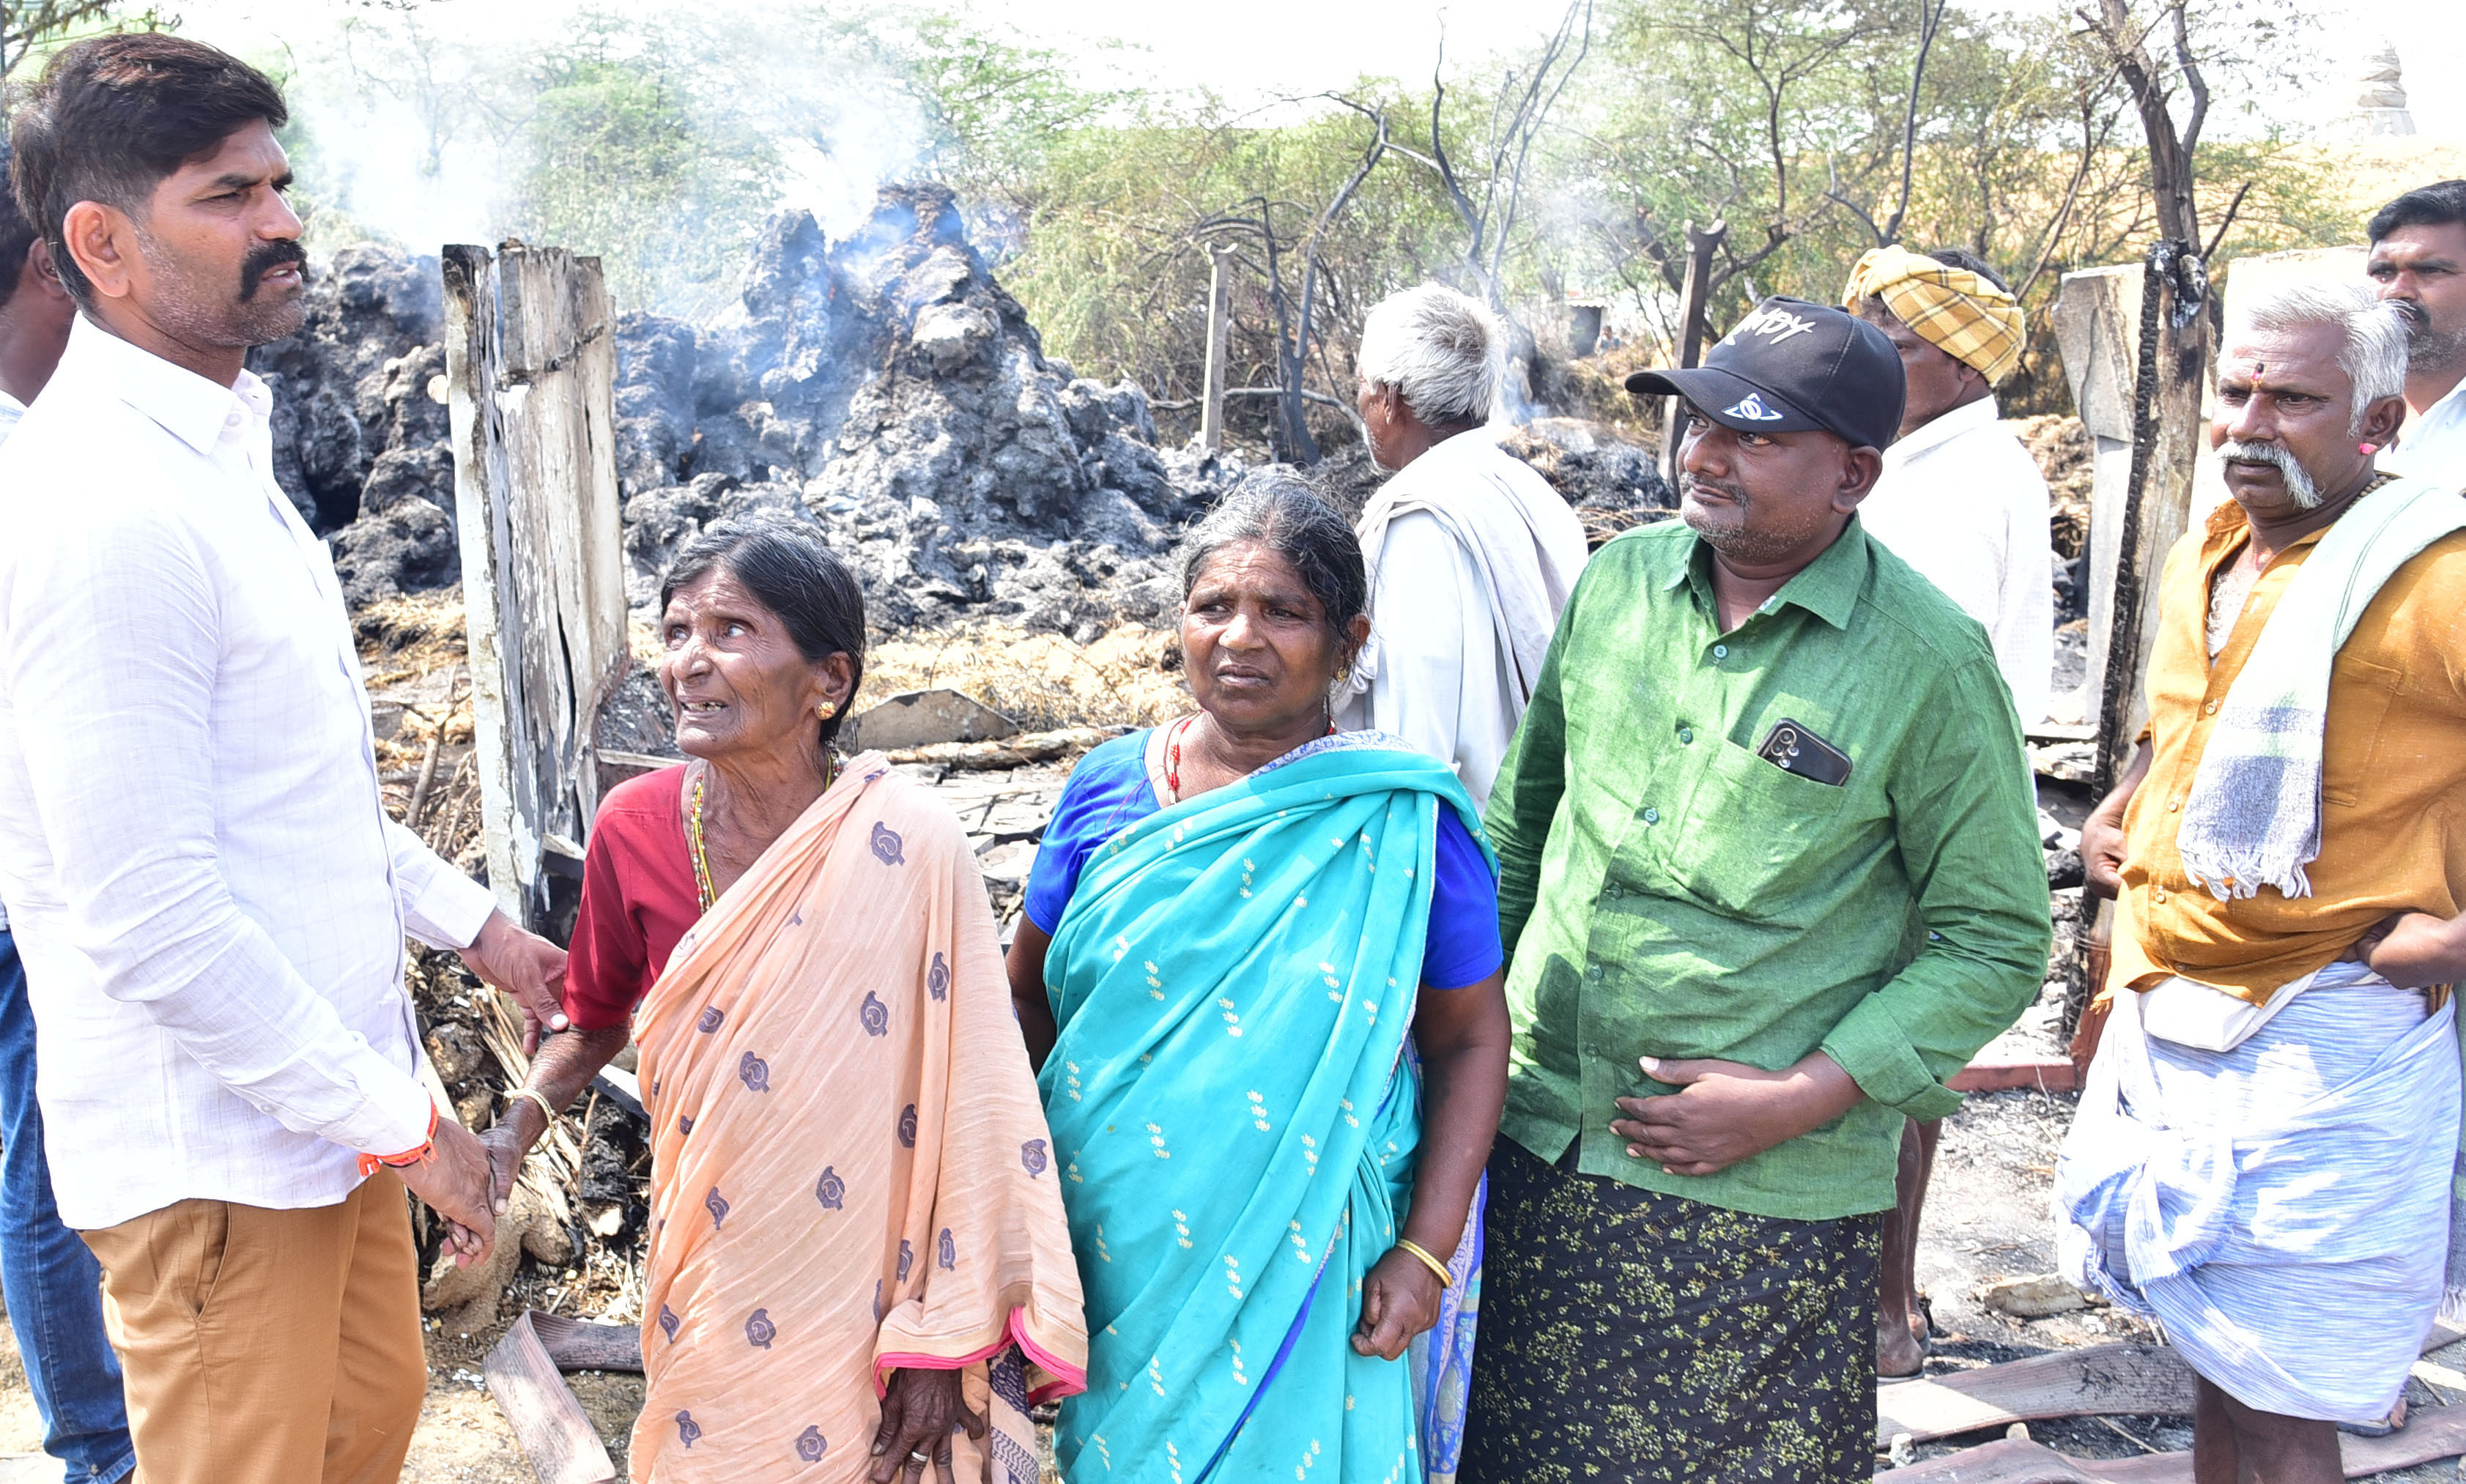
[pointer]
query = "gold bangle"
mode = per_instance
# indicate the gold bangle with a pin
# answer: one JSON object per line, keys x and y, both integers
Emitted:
{"x": 1445, "y": 1278}
{"x": 534, "y": 1094}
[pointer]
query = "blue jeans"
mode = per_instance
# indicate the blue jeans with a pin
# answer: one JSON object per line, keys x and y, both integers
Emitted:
{"x": 51, "y": 1282}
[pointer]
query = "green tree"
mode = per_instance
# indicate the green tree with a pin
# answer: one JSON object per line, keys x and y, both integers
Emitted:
{"x": 30, "y": 28}
{"x": 626, "y": 155}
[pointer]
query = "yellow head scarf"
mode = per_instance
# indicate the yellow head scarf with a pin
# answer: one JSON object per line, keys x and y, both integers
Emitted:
{"x": 1951, "y": 308}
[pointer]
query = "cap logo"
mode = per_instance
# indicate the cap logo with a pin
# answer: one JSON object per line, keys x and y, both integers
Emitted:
{"x": 1774, "y": 325}
{"x": 1751, "y": 407}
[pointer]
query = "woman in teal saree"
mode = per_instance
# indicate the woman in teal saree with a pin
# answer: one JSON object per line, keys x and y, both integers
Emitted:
{"x": 1240, "y": 931}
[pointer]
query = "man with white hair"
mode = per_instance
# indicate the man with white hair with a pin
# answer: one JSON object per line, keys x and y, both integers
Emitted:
{"x": 2263, "y": 1154}
{"x": 1472, "y": 554}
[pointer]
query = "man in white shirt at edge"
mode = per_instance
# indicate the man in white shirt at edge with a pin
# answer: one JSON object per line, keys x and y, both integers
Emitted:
{"x": 207, "y": 895}
{"x": 54, "y": 1289}
{"x": 1962, "y": 502}
{"x": 2419, "y": 261}
{"x": 1472, "y": 554}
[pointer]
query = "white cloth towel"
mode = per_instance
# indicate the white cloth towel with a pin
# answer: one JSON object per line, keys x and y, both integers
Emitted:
{"x": 2254, "y": 817}
{"x": 1472, "y": 556}
{"x": 2283, "y": 1208}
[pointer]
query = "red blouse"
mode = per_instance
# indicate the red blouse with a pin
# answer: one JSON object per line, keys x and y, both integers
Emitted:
{"x": 637, "y": 899}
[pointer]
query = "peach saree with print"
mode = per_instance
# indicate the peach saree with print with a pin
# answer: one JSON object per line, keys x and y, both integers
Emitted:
{"x": 850, "y": 1172}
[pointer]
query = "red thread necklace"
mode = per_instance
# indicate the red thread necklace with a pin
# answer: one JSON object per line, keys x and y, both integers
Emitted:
{"x": 1173, "y": 756}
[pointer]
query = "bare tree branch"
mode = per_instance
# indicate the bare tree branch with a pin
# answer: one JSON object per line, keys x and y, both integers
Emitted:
{"x": 1929, "y": 18}
{"x": 2226, "y": 221}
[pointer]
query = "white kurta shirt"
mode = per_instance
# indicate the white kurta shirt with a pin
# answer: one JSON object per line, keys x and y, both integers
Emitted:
{"x": 210, "y": 899}
{"x": 11, "y": 410}
{"x": 1962, "y": 502}
{"x": 1450, "y": 648}
{"x": 2434, "y": 446}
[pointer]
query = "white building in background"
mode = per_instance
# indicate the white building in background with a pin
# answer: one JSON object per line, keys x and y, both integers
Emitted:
{"x": 2380, "y": 105}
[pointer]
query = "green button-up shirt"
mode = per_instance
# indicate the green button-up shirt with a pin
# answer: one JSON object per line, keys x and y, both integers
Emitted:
{"x": 1666, "y": 892}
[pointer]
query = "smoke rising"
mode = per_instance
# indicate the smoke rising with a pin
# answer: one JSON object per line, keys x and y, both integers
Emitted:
{"x": 660, "y": 144}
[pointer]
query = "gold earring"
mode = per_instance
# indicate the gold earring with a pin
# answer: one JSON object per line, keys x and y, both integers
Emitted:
{"x": 827, "y": 712}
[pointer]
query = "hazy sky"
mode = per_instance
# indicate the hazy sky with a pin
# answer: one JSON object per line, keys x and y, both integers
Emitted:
{"x": 1268, "y": 48}
{"x": 1263, "y": 48}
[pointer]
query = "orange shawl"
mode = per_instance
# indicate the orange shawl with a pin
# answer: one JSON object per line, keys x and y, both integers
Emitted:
{"x": 850, "y": 1168}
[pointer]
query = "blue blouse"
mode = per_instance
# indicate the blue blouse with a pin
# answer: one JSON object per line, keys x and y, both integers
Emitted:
{"x": 1110, "y": 791}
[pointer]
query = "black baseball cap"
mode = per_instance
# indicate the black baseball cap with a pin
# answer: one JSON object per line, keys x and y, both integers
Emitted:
{"x": 1792, "y": 365}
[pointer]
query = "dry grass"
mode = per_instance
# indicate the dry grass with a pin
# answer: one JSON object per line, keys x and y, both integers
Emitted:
{"x": 1131, "y": 677}
{"x": 1594, "y": 389}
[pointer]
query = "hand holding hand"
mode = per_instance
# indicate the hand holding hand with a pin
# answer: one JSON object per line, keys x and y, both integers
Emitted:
{"x": 920, "y": 1410}
{"x": 455, "y": 1181}
{"x": 506, "y": 1148}
{"x": 1725, "y": 1112}
{"x": 526, "y": 966}
{"x": 1400, "y": 1299}
{"x": 2414, "y": 950}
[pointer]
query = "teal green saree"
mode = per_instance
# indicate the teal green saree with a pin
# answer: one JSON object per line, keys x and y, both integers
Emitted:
{"x": 1234, "y": 980}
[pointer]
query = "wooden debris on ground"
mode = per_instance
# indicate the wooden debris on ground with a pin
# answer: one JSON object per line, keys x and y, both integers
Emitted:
{"x": 1020, "y": 752}
{"x": 2043, "y": 1073}
{"x": 2121, "y": 1381}
{"x": 925, "y": 718}
{"x": 2431, "y": 1433}
{"x": 556, "y": 1437}
{"x": 581, "y": 1345}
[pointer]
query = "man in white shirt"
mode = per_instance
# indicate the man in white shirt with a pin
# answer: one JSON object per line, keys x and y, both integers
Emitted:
{"x": 54, "y": 1289}
{"x": 2419, "y": 261}
{"x": 1472, "y": 554}
{"x": 1962, "y": 502}
{"x": 208, "y": 897}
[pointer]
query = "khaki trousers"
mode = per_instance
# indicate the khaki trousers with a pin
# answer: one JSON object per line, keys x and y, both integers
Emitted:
{"x": 268, "y": 1347}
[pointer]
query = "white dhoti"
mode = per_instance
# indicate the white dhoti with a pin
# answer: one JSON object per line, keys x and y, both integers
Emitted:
{"x": 2282, "y": 1208}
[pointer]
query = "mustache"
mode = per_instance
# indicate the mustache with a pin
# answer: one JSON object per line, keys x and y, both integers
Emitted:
{"x": 2298, "y": 480}
{"x": 264, "y": 258}
{"x": 1727, "y": 492}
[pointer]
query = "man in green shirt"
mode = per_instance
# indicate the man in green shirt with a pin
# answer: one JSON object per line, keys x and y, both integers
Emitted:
{"x": 1771, "y": 874}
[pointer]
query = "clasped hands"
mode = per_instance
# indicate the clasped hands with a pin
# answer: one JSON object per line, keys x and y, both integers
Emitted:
{"x": 1725, "y": 1112}
{"x": 466, "y": 1179}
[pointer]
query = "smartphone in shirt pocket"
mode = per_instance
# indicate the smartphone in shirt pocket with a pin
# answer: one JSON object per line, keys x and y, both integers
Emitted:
{"x": 1793, "y": 749}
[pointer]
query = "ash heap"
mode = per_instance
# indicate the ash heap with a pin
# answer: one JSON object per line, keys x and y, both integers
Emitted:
{"x": 885, "y": 387}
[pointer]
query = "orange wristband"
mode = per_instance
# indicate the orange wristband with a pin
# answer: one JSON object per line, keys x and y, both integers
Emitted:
{"x": 371, "y": 1163}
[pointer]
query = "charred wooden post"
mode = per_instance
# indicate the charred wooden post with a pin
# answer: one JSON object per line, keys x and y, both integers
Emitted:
{"x": 2097, "y": 333}
{"x": 2171, "y": 373}
{"x": 1220, "y": 307}
{"x": 530, "y": 371}
{"x": 2136, "y": 346}
{"x": 1695, "y": 290}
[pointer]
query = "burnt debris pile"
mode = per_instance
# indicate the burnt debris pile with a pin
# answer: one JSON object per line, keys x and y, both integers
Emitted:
{"x": 359, "y": 435}
{"x": 885, "y": 388}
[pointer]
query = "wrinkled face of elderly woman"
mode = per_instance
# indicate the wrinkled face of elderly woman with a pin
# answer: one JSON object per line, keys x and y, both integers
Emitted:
{"x": 1256, "y": 642}
{"x": 738, "y": 681}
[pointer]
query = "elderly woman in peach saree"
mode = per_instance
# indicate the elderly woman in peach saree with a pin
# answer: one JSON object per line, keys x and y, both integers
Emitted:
{"x": 858, "y": 1261}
